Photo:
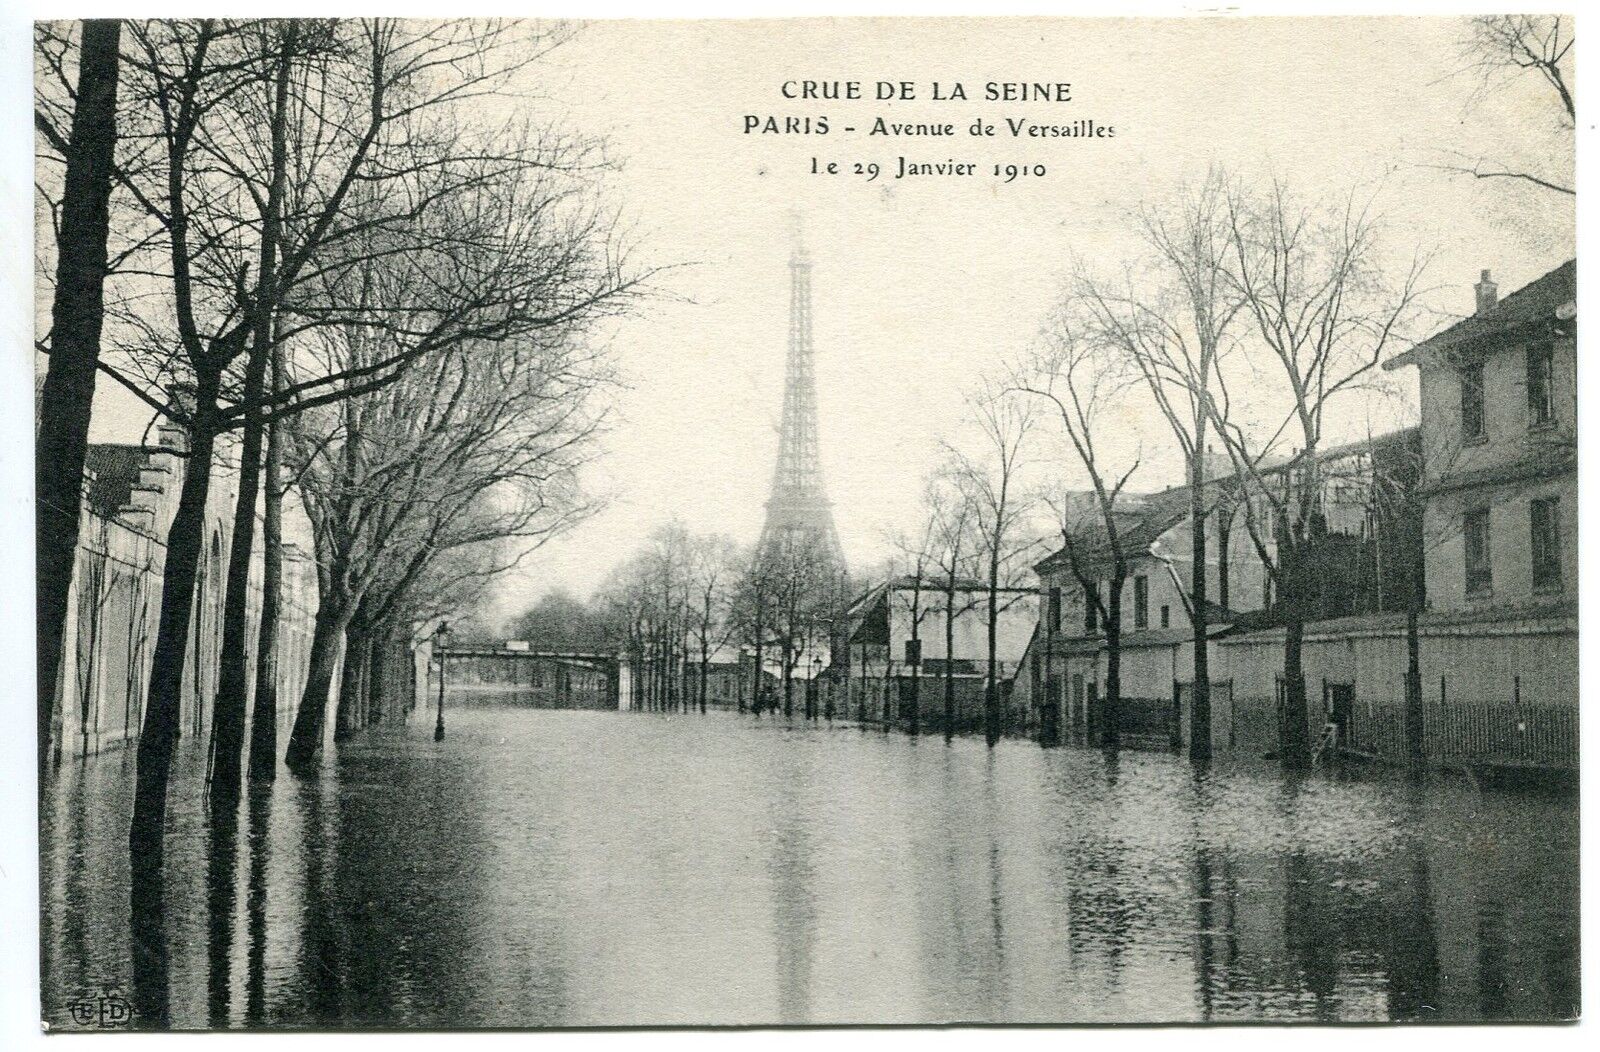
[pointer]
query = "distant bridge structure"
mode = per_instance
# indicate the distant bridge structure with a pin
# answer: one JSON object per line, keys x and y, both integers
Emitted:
{"x": 563, "y": 679}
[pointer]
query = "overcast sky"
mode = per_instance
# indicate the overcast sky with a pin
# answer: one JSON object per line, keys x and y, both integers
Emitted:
{"x": 920, "y": 286}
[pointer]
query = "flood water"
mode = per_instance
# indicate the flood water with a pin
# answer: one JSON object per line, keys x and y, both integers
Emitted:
{"x": 550, "y": 868}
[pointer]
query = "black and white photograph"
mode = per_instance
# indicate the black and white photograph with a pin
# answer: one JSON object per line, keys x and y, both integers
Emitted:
{"x": 796, "y": 522}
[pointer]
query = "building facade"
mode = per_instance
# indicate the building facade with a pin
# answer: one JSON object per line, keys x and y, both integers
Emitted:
{"x": 130, "y": 496}
{"x": 896, "y": 659}
{"x": 1367, "y": 563}
{"x": 727, "y": 684}
{"x": 1499, "y": 400}
{"x": 1453, "y": 544}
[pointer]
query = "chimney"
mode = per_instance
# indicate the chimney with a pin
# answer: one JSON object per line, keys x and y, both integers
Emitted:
{"x": 1215, "y": 465}
{"x": 1486, "y": 293}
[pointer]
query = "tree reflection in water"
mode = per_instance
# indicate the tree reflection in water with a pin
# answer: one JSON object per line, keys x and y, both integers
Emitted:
{"x": 547, "y": 868}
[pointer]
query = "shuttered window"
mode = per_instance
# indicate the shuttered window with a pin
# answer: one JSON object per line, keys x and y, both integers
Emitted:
{"x": 1544, "y": 520}
{"x": 1475, "y": 534}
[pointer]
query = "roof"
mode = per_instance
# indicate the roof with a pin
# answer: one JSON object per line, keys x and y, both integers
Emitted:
{"x": 1400, "y": 436}
{"x": 1536, "y": 305}
{"x": 1560, "y": 614}
{"x": 908, "y": 582}
{"x": 115, "y": 470}
{"x": 1144, "y": 522}
{"x": 1169, "y": 637}
{"x": 1138, "y": 527}
{"x": 863, "y": 604}
{"x": 1175, "y": 635}
{"x": 1547, "y": 463}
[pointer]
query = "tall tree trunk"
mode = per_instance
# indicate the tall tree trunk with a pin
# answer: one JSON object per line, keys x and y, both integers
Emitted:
{"x": 227, "y": 725}
{"x": 347, "y": 715}
{"x": 379, "y": 662}
{"x": 788, "y": 678}
{"x": 1200, "y": 691}
{"x": 76, "y": 316}
{"x": 655, "y": 670}
{"x": 705, "y": 663}
{"x": 991, "y": 689}
{"x": 1295, "y": 747}
{"x": 758, "y": 698}
{"x": 227, "y": 728}
{"x": 949, "y": 658}
{"x": 159, "y": 734}
{"x": 344, "y": 713}
{"x": 1111, "y": 703}
{"x": 305, "y": 738}
{"x": 264, "y": 720}
{"x": 1224, "y": 557}
{"x": 1416, "y": 750}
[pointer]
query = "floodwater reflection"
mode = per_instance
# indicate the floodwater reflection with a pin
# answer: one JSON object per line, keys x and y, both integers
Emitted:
{"x": 547, "y": 868}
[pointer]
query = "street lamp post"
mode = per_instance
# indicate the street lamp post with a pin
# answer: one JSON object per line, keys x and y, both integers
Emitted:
{"x": 441, "y": 640}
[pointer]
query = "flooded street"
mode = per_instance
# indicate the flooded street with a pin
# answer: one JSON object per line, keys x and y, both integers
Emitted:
{"x": 556, "y": 868}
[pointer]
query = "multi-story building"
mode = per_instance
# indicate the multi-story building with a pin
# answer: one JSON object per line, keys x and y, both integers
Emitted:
{"x": 1499, "y": 399}
{"x": 1452, "y": 552}
{"x": 1368, "y": 563}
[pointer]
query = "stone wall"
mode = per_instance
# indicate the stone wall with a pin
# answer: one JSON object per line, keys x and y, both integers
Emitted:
{"x": 115, "y": 604}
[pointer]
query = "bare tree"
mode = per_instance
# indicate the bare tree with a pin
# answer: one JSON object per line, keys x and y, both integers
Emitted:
{"x": 472, "y": 445}
{"x": 1504, "y": 49}
{"x": 669, "y": 563}
{"x": 992, "y": 480}
{"x": 1084, "y": 384}
{"x": 1173, "y": 330}
{"x": 381, "y": 167}
{"x": 1325, "y": 312}
{"x": 264, "y": 718}
{"x": 622, "y": 599}
{"x": 713, "y": 567}
{"x": 754, "y": 617}
{"x": 955, "y": 557}
{"x": 652, "y": 597}
{"x": 77, "y": 313}
{"x": 801, "y": 593}
{"x": 282, "y": 41}
{"x": 916, "y": 556}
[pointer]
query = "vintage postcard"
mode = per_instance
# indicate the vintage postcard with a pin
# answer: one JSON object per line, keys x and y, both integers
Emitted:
{"x": 897, "y": 521}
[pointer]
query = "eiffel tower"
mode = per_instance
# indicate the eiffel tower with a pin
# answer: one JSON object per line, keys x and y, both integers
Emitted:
{"x": 799, "y": 512}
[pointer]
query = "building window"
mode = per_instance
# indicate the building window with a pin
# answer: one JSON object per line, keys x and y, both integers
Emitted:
{"x": 1541, "y": 389}
{"x": 1544, "y": 518}
{"x": 1472, "y": 401}
{"x": 1141, "y": 602}
{"x": 1166, "y": 616}
{"x": 1055, "y": 610}
{"x": 1475, "y": 535}
{"x": 1090, "y": 612}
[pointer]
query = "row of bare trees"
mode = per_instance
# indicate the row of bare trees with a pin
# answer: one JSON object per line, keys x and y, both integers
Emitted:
{"x": 1253, "y": 316}
{"x": 1246, "y": 320}
{"x": 341, "y": 250}
{"x": 686, "y": 601}
{"x": 1249, "y": 318}
{"x": 670, "y": 607}
{"x": 970, "y": 553}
